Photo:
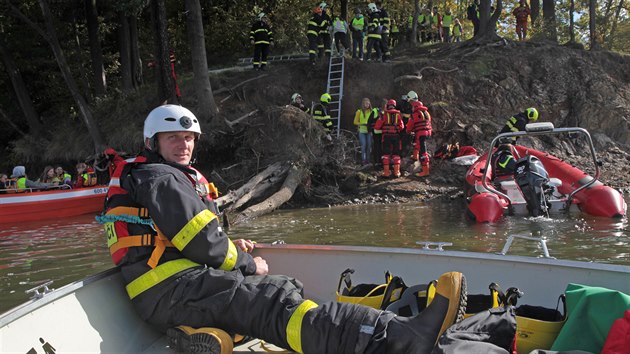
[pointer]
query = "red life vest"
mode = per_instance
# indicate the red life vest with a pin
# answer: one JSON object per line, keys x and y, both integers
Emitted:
{"x": 618, "y": 339}
{"x": 391, "y": 123}
{"x": 122, "y": 211}
{"x": 420, "y": 122}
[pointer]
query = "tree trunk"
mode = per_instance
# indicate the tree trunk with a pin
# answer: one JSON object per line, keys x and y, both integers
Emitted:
{"x": 201, "y": 80}
{"x": 275, "y": 201}
{"x": 21, "y": 92}
{"x": 99, "y": 81}
{"x": 414, "y": 22}
{"x": 572, "y": 22}
{"x": 343, "y": 12}
{"x": 164, "y": 74}
{"x": 233, "y": 196}
{"x": 488, "y": 21}
{"x": 592, "y": 15}
{"x": 549, "y": 16}
{"x": 84, "y": 109}
{"x": 535, "y": 9}
{"x": 613, "y": 30}
{"x": 125, "y": 53}
{"x": 136, "y": 61}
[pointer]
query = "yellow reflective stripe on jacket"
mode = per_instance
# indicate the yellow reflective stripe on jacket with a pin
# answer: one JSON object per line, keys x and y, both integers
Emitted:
{"x": 157, "y": 275}
{"x": 506, "y": 161}
{"x": 510, "y": 124}
{"x": 294, "y": 327}
{"x": 192, "y": 228}
{"x": 230, "y": 258}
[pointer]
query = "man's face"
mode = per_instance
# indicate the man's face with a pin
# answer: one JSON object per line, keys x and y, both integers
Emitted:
{"x": 176, "y": 147}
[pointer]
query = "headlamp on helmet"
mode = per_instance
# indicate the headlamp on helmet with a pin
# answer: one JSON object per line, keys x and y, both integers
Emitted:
{"x": 170, "y": 118}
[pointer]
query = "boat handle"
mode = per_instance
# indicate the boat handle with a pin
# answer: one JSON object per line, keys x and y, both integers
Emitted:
{"x": 426, "y": 245}
{"x": 541, "y": 240}
{"x": 40, "y": 290}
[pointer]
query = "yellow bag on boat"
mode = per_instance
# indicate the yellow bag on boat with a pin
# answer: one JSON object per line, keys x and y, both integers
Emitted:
{"x": 537, "y": 327}
{"x": 377, "y": 296}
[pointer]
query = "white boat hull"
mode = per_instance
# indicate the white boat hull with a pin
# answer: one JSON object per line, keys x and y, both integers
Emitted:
{"x": 95, "y": 316}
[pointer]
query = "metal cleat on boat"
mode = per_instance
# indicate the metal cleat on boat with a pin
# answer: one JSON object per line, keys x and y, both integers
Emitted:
{"x": 426, "y": 245}
{"x": 40, "y": 290}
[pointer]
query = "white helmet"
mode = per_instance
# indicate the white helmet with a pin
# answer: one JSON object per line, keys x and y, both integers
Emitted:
{"x": 372, "y": 7}
{"x": 295, "y": 96}
{"x": 170, "y": 118}
{"x": 323, "y": 5}
{"x": 412, "y": 95}
{"x": 261, "y": 15}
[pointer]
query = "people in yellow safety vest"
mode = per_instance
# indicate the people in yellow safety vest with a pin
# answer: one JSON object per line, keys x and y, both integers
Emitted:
{"x": 182, "y": 272}
{"x": 458, "y": 31}
{"x": 374, "y": 33}
{"x": 364, "y": 119}
{"x": 391, "y": 124}
{"x": 26, "y": 185}
{"x": 447, "y": 23}
{"x": 425, "y": 26}
{"x": 312, "y": 33}
{"x": 518, "y": 122}
{"x": 394, "y": 35}
{"x": 49, "y": 176}
{"x": 63, "y": 176}
{"x": 385, "y": 24}
{"x": 324, "y": 44}
{"x": 261, "y": 37}
{"x": 358, "y": 27}
{"x": 86, "y": 177}
{"x": 320, "y": 112}
{"x": 436, "y": 25}
{"x": 340, "y": 34}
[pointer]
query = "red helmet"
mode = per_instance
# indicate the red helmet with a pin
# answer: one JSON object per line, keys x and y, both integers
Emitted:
{"x": 391, "y": 102}
{"x": 417, "y": 106}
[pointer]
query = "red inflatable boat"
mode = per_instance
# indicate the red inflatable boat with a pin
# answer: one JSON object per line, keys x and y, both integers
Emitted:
{"x": 541, "y": 184}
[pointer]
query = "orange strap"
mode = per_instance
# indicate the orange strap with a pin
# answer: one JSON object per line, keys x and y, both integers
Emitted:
{"x": 125, "y": 210}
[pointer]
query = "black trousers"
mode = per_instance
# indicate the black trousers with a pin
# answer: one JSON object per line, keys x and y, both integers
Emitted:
{"x": 261, "y": 51}
{"x": 312, "y": 47}
{"x": 258, "y": 306}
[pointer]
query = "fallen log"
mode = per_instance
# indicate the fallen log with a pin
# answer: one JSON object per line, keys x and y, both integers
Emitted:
{"x": 285, "y": 193}
{"x": 261, "y": 188}
{"x": 233, "y": 196}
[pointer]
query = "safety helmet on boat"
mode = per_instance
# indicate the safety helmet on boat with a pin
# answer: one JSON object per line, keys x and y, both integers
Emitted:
{"x": 325, "y": 98}
{"x": 391, "y": 103}
{"x": 532, "y": 113}
{"x": 295, "y": 96}
{"x": 412, "y": 95}
{"x": 372, "y": 7}
{"x": 170, "y": 118}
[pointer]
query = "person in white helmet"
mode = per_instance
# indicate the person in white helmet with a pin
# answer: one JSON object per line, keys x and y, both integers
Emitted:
{"x": 297, "y": 101}
{"x": 184, "y": 275}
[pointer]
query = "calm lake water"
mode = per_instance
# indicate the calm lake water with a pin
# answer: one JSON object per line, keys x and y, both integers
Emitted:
{"x": 71, "y": 249}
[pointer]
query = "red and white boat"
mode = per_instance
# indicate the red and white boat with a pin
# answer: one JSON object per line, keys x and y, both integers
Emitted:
{"x": 30, "y": 206}
{"x": 542, "y": 183}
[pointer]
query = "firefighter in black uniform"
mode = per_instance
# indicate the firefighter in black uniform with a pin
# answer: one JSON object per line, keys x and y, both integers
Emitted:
{"x": 312, "y": 33}
{"x": 261, "y": 36}
{"x": 183, "y": 274}
{"x": 386, "y": 24}
{"x": 374, "y": 33}
{"x": 325, "y": 24}
{"x": 518, "y": 122}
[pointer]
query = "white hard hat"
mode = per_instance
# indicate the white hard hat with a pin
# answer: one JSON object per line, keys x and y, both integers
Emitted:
{"x": 323, "y": 5}
{"x": 372, "y": 7}
{"x": 261, "y": 15}
{"x": 412, "y": 95}
{"x": 170, "y": 118}
{"x": 295, "y": 96}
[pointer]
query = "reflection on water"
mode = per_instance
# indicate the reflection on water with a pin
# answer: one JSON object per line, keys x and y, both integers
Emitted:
{"x": 71, "y": 249}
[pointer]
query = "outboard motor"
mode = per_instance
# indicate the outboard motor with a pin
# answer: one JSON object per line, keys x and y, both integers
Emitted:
{"x": 532, "y": 178}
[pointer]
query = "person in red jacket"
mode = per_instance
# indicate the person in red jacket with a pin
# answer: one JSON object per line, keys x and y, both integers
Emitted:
{"x": 521, "y": 13}
{"x": 391, "y": 125}
{"x": 420, "y": 126}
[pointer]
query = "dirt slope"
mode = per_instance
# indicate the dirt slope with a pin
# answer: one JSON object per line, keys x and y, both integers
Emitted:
{"x": 470, "y": 91}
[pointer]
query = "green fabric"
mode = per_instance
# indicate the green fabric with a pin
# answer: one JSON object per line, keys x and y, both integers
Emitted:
{"x": 592, "y": 310}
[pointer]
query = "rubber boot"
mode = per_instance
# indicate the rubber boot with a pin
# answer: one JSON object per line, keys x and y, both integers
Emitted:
{"x": 424, "y": 172}
{"x": 386, "y": 172}
{"x": 397, "y": 170}
{"x": 185, "y": 339}
{"x": 420, "y": 333}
